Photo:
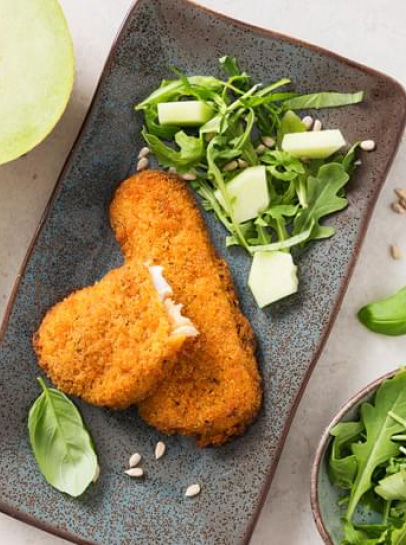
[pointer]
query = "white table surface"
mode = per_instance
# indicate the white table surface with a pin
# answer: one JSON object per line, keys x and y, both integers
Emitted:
{"x": 370, "y": 31}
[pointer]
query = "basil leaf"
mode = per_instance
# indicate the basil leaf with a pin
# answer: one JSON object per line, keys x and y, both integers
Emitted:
{"x": 323, "y": 100}
{"x": 61, "y": 444}
{"x": 387, "y": 316}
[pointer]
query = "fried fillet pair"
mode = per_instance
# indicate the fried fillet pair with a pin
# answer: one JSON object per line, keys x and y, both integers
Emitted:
{"x": 214, "y": 390}
{"x": 113, "y": 343}
{"x": 124, "y": 341}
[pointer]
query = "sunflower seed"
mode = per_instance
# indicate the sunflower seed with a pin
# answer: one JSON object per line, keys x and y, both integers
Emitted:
{"x": 367, "y": 145}
{"x": 268, "y": 141}
{"x": 135, "y": 472}
{"x": 396, "y": 252}
{"x": 143, "y": 152}
{"x": 192, "y": 490}
{"x": 401, "y": 193}
{"x": 172, "y": 170}
{"x": 142, "y": 164}
{"x": 308, "y": 121}
{"x": 317, "y": 126}
{"x": 260, "y": 149}
{"x": 232, "y": 165}
{"x": 160, "y": 450}
{"x": 96, "y": 474}
{"x": 134, "y": 460}
{"x": 242, "y": 163}
{"x": 189, "y": 176}
{"x": 398, "y": 208}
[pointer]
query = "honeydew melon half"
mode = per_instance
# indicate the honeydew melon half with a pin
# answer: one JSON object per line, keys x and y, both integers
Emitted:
{"x": 313, "y": 144}
{"x": 36, "y": 73}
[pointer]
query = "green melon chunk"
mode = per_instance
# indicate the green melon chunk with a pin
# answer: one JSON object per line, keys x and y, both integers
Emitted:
{"x": 190, "y": 113}
{"x": 36, "y": 73}
{"x": 248, "y": 193}
{"x": 273, "y": 276}
{"x": 313, "y": 144}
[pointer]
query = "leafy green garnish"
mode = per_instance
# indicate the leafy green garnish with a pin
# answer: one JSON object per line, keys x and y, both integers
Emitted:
{"x": 323, "y": 100}
{"x": 246, "y": 114}
{"x": 366, "y": 458}
{"x": 61, "y": 444}
{"x": 387, "y": 316}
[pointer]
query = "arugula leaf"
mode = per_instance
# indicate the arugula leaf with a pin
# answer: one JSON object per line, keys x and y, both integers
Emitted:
{"x": 191, "y": 151}
{"x": 322, "y": 200}
{"x": 283, "y": 244}
{"x": 387, "y": 316}
{"x": 61, "y": 444}
{"x": 378, "y": 447}
{"x": 393, "y": 487}
{"x": 323, "y": 100}
{"x": 358, "y": 536}
{"x": 283, "y": 166}
{"x": 290, "y": 122}
{"x": 342, "y": 469}
{"x": 173, "y": 89}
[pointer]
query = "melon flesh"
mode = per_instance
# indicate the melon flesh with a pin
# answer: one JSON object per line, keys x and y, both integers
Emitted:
{"x": 188, "y": 113}
{"x": 248, "y": 193}
{"x": 313, "y": 144}
{"x": 273, "y": 276}
{"x": 36, "y": 73}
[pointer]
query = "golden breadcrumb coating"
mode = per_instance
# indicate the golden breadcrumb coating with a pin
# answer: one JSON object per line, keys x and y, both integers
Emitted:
{"x": 214, "y": 391}
{"x": 112, "y": 343}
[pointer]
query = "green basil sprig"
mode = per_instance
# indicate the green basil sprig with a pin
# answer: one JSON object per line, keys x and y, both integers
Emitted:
{"x": 61, "y": 444}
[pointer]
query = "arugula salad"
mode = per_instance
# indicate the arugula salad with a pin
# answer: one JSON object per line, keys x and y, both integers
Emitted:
{"x": 267, "y": 174}
{"x": 368, "y": 461}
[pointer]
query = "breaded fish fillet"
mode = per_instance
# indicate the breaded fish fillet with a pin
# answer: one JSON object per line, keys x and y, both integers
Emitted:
{"x": 113, "y": 343}
{"x": 214, "y": 391}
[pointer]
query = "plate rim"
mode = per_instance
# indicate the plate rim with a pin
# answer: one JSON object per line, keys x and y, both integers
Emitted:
{"x": 263, "y": 491}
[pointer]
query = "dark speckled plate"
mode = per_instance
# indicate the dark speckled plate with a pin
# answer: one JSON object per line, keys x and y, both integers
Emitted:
{"x": 75, "y": 246}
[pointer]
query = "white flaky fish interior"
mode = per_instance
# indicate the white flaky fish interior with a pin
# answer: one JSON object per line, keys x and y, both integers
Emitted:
{"x": 181, "y": 325}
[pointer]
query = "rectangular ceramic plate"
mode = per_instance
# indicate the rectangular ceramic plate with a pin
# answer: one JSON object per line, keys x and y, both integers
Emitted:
{"x": 75, "y": 247}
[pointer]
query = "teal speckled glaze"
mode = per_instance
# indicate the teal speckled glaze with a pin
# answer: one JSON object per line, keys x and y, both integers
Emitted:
{"x": 76, "y": 246}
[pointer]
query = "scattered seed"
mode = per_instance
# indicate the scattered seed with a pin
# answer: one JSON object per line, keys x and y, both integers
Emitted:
{"x": 396, "y": 252}
{"x": 232, "y": 165}
{"x": 160, "y": 450}
{"x": 308, "y": 121}
{"x": 368, "y": 145}
{"x": 398, "y": 208}
{"x": 268, "y": 141}
{"x": 143, "y": 152}
{"x": 192, "y": 490}
{"x": 402, "y": 450}
{"x": 135, "y": 472}
{"x": 134, "y": 460}
{"x": 358, "y": 162}
{"x": 402, "y": 203}
{"x": 172, "y": 170}
{"x": 209, "y": 136}
{"x": 260, "y": 149}
{"x": 242, "y": 163}
{"x": 401, "y": 193}
{"x": 142, "y": 164}
{"x": 317, "y": 125}
{"x": 96, "y": 474}
{"x": 189, "y": 176}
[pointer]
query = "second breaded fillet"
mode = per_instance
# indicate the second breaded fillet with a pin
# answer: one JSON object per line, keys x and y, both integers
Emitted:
{"x": 215, "y": 389}
{"x": 113, "y": 343}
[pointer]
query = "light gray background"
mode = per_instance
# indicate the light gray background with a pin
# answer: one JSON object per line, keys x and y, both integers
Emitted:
{"x": 370, "y": 31}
